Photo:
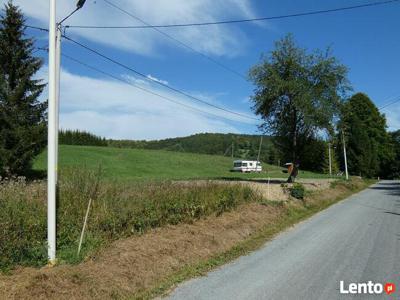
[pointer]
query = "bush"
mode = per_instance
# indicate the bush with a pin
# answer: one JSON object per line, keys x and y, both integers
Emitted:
{"x": 23, "y": 226}
{"x": 297, "y": 191}
{"x": 118, "y": 210}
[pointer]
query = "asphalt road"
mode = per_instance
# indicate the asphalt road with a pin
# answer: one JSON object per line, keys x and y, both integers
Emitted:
{"x": 354, "y": 241}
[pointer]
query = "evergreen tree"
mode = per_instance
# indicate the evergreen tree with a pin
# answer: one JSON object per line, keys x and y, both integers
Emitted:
{"x": 394, "y": 168}
{"x": 334, "y": 160}
{"x": 369, "y": 147}
{"x": 22, "y": 116}
{"x": 82, "y": 138}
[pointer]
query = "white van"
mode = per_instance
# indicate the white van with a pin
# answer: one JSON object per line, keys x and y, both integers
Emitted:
{"x": 247, "y": 166}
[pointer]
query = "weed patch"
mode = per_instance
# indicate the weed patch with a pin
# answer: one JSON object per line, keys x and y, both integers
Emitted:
{"x": 118, "y": 210}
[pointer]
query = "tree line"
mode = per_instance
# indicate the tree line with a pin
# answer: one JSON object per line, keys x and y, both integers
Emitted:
{"x": 235, "y": 145}
{"x": 304, "y": 98}
{"x": 77, "y": 137}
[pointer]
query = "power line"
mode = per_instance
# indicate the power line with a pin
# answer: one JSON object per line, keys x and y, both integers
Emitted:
{"x": 389, "y": 104}
{"x": 146, "y": 77}
{"x": 177, "y": 40}
{"x": 136, "y": 86}
{"x": 300, "y": 14}
{"x": 143, "y": 89}
{"x": 37, "y": 28}
{"x": 155, "y": 81}
{"x": 169, "y": 87}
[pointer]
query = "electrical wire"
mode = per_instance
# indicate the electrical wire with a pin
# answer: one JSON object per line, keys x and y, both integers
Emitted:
{"x": 145, "y": 90}
{"x": 139, "y": 87}
{"x": 146, "y": 77}
{"x": 155, "y": 81}
{"x": 36, "y": 27}
{"x": 389, "y": 104}
{"x": 301, "y": 14}
{"x": 179, "y": 42}
{"x": 142, "y": 75}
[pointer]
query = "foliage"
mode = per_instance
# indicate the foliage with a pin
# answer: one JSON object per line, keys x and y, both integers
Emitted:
{"x": 244, "y": 146}
{"x": 22, "y": 116}
{"x": 297, "y": 191}
{"x": 334, "y": 159}
{"x": 82, "y": 138}
{"x": 22, "y": 223}
{"x": 314, "y": 155}
{"x": 369, "y": 149}
{"x": 297, "y": 94}
{"x": 118, "y": 210}
{"x": 394, "y": 168}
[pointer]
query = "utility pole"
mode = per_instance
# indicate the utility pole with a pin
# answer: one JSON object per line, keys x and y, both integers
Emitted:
{"x": 55, "y": 35}
{"x": 345, "y": 156}
{"x": 330, "y": 159}
{"x": 233, "y": 150}
{"x": 57, "y": 102}
{"x": 52, "y": 119}
{"x": 259, "y": 149}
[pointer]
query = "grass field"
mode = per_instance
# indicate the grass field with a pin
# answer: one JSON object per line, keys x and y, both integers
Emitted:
{"x": 135, "y": 164}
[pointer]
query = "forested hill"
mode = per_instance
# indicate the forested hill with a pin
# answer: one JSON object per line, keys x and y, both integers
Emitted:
{"x": 244, "y": 146}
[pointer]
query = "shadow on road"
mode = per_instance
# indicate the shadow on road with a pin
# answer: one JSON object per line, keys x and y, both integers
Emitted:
{"x": 392, "y": 213}
{"x": 390, "y": 188}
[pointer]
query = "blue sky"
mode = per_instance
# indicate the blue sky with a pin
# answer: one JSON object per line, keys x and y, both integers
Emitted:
{"x": 366, "y": 40}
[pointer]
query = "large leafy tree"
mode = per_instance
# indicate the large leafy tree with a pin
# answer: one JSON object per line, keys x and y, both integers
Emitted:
{"x": 297, "y": 94}
{"x": 370, "y": 150}
{"x": 22, "y": 115}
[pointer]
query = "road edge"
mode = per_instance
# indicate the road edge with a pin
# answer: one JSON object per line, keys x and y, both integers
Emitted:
{"x": 254, "y": 242}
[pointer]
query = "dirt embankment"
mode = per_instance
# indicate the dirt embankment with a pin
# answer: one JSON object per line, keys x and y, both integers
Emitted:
{"x": 135, "y": 264}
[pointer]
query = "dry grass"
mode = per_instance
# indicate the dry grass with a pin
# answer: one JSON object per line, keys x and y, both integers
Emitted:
{"x": 118, "y": 210}
{"x": 139, "y": 265}
{"x": 272, "y": 191}
{"x": 134, "y": 264}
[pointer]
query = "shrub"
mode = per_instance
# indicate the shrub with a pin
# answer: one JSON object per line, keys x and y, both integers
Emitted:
{"x": 297, "y": 191}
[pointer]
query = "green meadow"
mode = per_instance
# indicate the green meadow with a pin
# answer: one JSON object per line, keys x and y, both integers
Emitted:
{"x": 123, "y": 164}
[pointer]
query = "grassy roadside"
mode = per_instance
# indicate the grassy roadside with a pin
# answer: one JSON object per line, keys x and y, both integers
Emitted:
{"x": 292, "y": 213}
{"x": 117, "y": 211}
{"x": 142, "y": 266}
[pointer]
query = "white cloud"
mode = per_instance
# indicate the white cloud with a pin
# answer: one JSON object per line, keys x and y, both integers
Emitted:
{"x": 393, "y": 117}
{"x": 116, "y": 110}
{"x": 214, "y": 40}
{"x": 157, "y": 80}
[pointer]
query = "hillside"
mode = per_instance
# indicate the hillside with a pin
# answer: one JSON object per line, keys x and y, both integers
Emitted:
{"x": 244, "y": 145}
{"x": 143, "y": 164}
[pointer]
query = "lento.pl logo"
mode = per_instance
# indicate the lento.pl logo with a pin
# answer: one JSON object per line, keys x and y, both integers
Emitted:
{"x": 369, "y": 288}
